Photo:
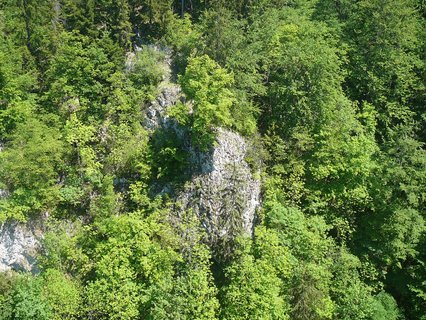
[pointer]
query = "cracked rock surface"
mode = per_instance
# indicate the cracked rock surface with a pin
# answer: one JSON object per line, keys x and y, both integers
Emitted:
{"x": 222, "y": 191}
{"x": 19, "y": 246}
{"x": 224, "y": 194}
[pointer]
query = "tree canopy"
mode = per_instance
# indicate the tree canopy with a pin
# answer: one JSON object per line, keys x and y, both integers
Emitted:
{"x": 329, "y": 97}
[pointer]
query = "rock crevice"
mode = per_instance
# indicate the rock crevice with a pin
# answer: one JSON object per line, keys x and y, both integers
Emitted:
{"x": 221, "y": 190}
{"x": 19, "y": 246}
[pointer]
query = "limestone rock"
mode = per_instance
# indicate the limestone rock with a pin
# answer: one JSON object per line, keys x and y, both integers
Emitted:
{"x": 19, "y": 246}
{"x": 221, "y": 190}
{"x": 156, "y": 113}
{"x": 224, "y": 194}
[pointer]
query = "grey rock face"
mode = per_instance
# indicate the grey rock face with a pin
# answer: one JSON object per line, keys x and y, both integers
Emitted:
{"x": 19, "y": 245}
{"x": 3, "y": 193}
{"x": 224, "y": 194}
{"x": 222, "y": 190}
{"x": 169, "y": 94}
{"x": 156, "y": 113}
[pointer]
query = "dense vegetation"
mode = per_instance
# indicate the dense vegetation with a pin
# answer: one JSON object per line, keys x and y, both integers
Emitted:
{"x": 332, "y": 94}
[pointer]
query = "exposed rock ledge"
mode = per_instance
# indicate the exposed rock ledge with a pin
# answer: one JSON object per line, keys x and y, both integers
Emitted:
{"x": 222, "y": 191}
{"x": 19, "y": 245}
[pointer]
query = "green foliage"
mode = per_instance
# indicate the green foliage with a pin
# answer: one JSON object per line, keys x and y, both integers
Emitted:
{"x": 331, "y": 96}
{"x": 30, "y": 166}
{"x": 126, "y": 266}
{"x": 79, "y": 77}
{"x": 183, "y": 38}
{"x": 79, "y": 136}
{"x": 27, "y": 301}
{"x": 384, "y": 40}
{"x": 228, "y": 42}
{"x": 385, "y": 307}
{"x": 191, "y": 294}
{"x": 62, "y": 294}
{"x": 342, "y": 163}
{"x": 169, "y": 158}
{"x": 129, "y": 152}
{"x": 17, "y": 80}
{"x": 31, "y": 27}
{"x": 256, "y": 278}
{"x": 7, "y": 283}
{"x": 353, "y": 297}
{"x": 127, "y": 262}
{"x": 64, "y": 252}
{"x": 79, "y": 15}
{"x": 51, "y": 296}
{"x": 206, "y": 84}
{"x": 305, "y": 75}
{"x": 311, "y": 278}
{"x": 146, "y": 69}
{"x": 150, "y": 18}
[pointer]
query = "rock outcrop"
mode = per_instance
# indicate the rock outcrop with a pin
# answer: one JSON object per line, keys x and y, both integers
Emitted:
{"x": 19, "y": 246}
{"x": 221, "y": 189}
{"x": 156, "y": 113}
{"x": 223, "y": 192}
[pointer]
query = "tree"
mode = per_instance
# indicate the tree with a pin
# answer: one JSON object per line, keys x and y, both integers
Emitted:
{"x": 206, "y": 84}
{"x": 28, "y": 302}
{"x": 113, "y": 17}
{"x": 129, "y": 261}
{"x": 30, "y": 167}
{"x": 383, "y": 58}
{"x": 18, "y": 81}
{"x": 150, "y": 17}
{"x": 227, "y": 40}
{"x": 254, "y": 285}
{"x": 192, "y": 293}
{"x": 354, "y": 299}
{"x": 79, "y": 78}
{"x": 311, "y": 279}
{"x": 302, "y": 71}
{"x": 79, "y": 15}
{"x": 29, "y": 24}
{"x": 62, "y": 295}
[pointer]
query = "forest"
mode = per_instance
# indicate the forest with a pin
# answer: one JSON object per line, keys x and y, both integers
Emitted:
{"x": 322, "y": 103}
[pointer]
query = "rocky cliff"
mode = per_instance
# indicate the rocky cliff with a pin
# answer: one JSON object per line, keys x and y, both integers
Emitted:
{"x": 221, "y": 189}
{"x": 19, "y": 246}
{"x": 223, "y": 193}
